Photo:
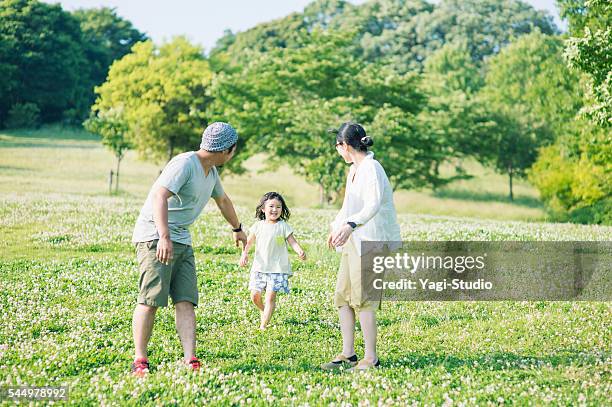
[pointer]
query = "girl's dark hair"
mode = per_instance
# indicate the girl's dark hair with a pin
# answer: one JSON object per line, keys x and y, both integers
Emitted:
{"x": 354, "y": 135}
{"x": 259, "y": 211}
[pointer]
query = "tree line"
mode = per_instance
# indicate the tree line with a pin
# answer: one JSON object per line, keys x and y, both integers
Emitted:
{"x": 51, "y": 60}
{"x": 489, "y": 80}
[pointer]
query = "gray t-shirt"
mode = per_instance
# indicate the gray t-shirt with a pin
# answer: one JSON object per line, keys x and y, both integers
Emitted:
{"x": 184, "y": 177}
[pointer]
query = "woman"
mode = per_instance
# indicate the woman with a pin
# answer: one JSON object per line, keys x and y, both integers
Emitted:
{"x": 367, "y": 214}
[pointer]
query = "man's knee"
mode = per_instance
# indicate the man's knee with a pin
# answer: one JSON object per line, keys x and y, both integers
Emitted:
{"x": 255, "y": 296}
{"x": 183, "y": 306}
{"x": 147, "y": 309}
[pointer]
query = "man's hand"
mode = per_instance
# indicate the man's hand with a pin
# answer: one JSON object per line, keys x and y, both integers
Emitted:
{"x": 240, "y": 237}
{"x": 160, "y": 216}
{"x": 302, "y": 255}
{"x": 340, "y": 236}
{"x": 164, "y": 251}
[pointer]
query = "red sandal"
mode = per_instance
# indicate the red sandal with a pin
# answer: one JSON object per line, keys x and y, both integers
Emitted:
{"x": 140, "y": 367}
{"x": 194, "y": 364}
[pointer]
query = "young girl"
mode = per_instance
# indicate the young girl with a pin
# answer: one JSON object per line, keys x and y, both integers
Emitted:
{"x": 271, "y": 268}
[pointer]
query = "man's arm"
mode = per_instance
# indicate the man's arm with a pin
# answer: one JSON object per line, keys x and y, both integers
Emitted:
{"x": 160, "y": 217}
{"x": 226, "y": 207}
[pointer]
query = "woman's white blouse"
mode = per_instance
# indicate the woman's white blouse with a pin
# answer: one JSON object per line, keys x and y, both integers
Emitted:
{"x": 368, "y": 201}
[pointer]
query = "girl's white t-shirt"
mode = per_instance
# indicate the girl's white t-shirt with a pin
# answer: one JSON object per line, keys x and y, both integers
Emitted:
{"x": 271, "y": 253}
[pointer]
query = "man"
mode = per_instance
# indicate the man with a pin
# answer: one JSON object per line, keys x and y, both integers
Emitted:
{"x": 163, "y": 242}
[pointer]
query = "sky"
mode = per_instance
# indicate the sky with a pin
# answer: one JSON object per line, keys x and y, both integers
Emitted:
{"x": 204, "y": 21}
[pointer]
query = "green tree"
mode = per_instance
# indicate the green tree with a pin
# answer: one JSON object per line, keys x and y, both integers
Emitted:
{"x": 533, "y": 95}
{"x": 408, "y": 32}
{"x": 485, "y": 25}
{"x": 399, "y": 33}
{"x": 451, "y": 69}
{"x": 284, "y": 100}
{"x": 161, "y": 92}
{"x": 574, "y": 175}
{"x": 410, "y": 153}
{"x": 324, "y": 14}
{"x": 455, "y": 118}
{"x": 590, "y": 50}
{"x": 218, "y": 57}
{"x": 233, "y": 50}
{"x": 41, "y": 59}
{"x": 308, "y": 148}
{"x": 584, "y": 13}
{"x": 113, "y": 129}
{"x": 107, "y": 37}
{"x": 512, "y": 146}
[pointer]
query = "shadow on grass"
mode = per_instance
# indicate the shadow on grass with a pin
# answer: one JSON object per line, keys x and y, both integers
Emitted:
{"x": 14, "y": 168}
{"x": 53, "y": 132}
{"x": 495, "y": 360}
{"x": 216, "y": 249}
{"x": 47, "y": 144}
{"x": 258, "y": 367}
{"x": 49, "y": 137}
{"x": 465, "y": 195}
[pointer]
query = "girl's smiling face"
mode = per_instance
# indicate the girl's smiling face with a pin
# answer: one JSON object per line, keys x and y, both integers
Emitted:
{"x": 273, "y": 209}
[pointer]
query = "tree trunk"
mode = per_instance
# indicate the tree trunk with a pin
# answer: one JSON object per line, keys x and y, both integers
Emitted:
{"x": 436, "y": 173}
{"x": 510, "y": 181}
{"x": 119, "y": 157}
{"x": 321, "y": 195}
{"x": 170, "y": 149}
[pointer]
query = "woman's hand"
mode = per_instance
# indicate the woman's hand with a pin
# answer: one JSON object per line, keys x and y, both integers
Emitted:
{"x": 340, "y": 236}
{"x": 302, "y": 255}
{"x": 329, "y": 240}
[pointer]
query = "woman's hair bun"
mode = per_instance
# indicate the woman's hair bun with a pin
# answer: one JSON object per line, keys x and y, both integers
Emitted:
{"x": 367, "y": 141}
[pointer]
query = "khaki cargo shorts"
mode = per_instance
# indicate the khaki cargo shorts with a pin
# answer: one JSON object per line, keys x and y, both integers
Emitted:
{"x": 349, "y": 283}
{"x": 158, "y": 280}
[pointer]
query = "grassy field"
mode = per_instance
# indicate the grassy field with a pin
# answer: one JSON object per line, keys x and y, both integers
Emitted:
{"x": 68, "y": 279}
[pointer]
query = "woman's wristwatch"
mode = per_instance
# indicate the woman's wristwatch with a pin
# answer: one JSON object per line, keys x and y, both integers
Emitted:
{"x": 238, "y": 229}
{"x": 352, "y": 225}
